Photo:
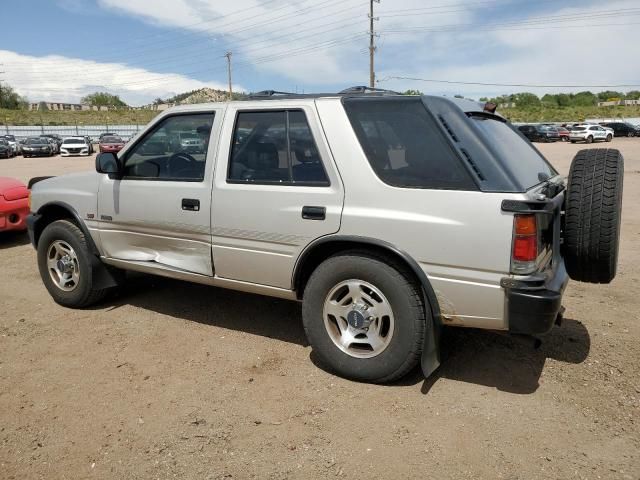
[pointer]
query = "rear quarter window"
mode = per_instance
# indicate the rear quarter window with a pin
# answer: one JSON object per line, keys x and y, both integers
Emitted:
{"x": 404, "y": 145}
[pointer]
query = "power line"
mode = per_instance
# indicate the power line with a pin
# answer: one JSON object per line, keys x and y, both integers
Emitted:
{"x": 525, "y": 85}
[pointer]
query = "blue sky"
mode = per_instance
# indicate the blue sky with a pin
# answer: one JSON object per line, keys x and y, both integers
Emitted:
{"x": 143, "y": 49}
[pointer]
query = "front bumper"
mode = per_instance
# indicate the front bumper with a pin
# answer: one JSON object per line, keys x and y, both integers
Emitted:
{"x": 533, "y": 307}
{"x": 13, "y": 214}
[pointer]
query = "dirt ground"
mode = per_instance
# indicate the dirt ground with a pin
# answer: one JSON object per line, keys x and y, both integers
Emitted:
{"x": 174, "y": 380}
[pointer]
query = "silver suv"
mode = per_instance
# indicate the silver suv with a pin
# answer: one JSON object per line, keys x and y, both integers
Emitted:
{"x": 387, "y": 216}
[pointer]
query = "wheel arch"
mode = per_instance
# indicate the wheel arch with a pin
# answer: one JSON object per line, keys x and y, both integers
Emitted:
{"x": 57, "y": 210}
{"x": 325, "y": 247}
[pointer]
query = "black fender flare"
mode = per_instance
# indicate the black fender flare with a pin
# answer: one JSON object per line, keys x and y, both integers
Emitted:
{"x": 103, "y": 276}
{"x": 430, "y": 359}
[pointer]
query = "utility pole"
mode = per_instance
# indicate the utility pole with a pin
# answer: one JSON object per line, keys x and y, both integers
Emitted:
{"x": 372, "y": 44}
{"x": 228, "y": 55}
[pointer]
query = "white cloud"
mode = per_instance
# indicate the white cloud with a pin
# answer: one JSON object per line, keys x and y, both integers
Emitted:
{"x": 64, "y": 79}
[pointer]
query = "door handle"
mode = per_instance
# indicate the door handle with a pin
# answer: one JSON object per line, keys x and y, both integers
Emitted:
{"x": 314, "y": 213}
{"x": 191, "y": 204}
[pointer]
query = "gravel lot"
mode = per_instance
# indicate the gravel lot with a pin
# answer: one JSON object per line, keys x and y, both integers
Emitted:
{"x": 173, "y": 380}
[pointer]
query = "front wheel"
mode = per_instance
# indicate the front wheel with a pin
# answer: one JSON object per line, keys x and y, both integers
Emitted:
{"x": 609, "y": 138}
{"x": 589, "y": 139}
{"x": 64, "y": 261}
{"x": 365, "y": 317}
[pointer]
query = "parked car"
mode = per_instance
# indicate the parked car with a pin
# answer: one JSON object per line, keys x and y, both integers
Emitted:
{"x": 14, "y": 204}
{"x": 90, "y": 143}
{"x": 539, "y": 133}
{"x": 56, "y": 138}
{"x": 107, "y": 134}
{"x": 622, "y": 129}
{"x": 564, "y": 133}
{"x": 590, "y": 133}
{"x": 110, "y": 143}
{"x": 74, "y": 146}
{"x": 15, "y": 145}
{"x": 386, "y": 215}
{"x": 5, "y": 149}
{"x": 37, "y": 146}
{"x": 54, "y": 144}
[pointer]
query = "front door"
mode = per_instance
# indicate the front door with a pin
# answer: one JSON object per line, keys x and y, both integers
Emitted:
{"x": 159, "y": 212}
{"x": 276, "y": 190}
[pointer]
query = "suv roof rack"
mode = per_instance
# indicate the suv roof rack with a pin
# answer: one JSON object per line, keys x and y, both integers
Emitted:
{"x": 365, "y": 89}
{"x": 269, "y": 93}
{"x": 357, "y": 90}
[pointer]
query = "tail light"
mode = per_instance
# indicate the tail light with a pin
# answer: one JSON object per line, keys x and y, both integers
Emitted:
{"x": 525, "y": 244}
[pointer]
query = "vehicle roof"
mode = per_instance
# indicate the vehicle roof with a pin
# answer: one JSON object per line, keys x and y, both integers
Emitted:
{"x": 464, "y": 104}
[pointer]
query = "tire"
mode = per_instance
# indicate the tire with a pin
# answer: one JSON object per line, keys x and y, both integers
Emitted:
{"x": 573, "y": 141}
{"x": 630, "y": 134}
{"x": 609, "y": 138}
{"x": 589, "y": 139}
{"x": 65, "y": 233}
{"x": 592, "y": 215}
{"x": 397, "y": 293}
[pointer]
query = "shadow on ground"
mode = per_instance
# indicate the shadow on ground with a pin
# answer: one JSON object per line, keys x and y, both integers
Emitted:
{"x": 504, "y": 362}
{"x": 13, "y": 239}
{"x": 255, "y": 314}
{"x": 474, "y": 356}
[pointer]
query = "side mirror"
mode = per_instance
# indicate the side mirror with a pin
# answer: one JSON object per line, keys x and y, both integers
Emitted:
{"x": 108, "y": 162}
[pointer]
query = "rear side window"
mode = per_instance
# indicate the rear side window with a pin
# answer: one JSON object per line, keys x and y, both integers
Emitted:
{"x": 275, "y": 147}
{"x": 404, "y": 146}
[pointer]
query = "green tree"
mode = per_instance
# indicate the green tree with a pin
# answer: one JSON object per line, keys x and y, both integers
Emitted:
{"x": 10, "y": 99}
{"x": 633, "y": 95}
{"x": 412, "y": 92}
{"x": 610, "y": 95}
{"x": 103, "y": 99}
{"x": 583, "y": 99}
{"x": 525, "y": 99}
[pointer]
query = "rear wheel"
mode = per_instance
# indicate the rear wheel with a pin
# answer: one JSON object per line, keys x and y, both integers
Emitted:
{"x": 592, "y": 215}
{"x": 364, "y": 317}
{"x": 64, "y": 261}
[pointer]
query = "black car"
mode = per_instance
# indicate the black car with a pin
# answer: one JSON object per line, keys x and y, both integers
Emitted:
{"x": 37, "y": 146}
{"x": 540, "y": 133}
{"x": 622, "y": 129}
{"x": 5, "y": 148}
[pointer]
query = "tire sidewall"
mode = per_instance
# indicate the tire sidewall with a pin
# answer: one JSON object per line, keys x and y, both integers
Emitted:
{"x": 66, "y": 231}
{"x": 383, "y": 277}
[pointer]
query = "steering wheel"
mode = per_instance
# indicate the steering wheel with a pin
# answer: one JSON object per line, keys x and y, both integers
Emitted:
{"x": 181, "y": 162}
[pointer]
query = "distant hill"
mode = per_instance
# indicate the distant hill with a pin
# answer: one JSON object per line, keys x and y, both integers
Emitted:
{"x": 202, "y": 95}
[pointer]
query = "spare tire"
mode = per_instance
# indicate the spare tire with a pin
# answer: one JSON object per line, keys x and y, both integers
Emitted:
{"x": 592, "y": 215}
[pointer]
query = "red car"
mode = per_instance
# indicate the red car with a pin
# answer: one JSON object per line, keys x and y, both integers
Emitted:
{"x": 14, "y": 204}
{"x": 111, "y": 144}
{"x": 564, "y": 134}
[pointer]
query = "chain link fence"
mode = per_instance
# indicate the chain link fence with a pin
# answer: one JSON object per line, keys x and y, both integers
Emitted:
{"x": 92, "y": 131}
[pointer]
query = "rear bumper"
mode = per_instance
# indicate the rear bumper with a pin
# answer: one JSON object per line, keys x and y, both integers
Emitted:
{"x": 532, "y": 308}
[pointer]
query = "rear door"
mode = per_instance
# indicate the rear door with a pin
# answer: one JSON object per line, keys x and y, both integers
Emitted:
{"x": 159, "y": 212}
{"x": 276, "y": 190}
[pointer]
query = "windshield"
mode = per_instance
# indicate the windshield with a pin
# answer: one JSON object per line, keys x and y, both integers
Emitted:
{"x": 111, "y": 140}
{"x": 528, "y": 166}
{"x": 579, "y": 129}
{"x": 36, "y": 141}
{"x": 11, "y": 138}
{"x": 67, "y": 141}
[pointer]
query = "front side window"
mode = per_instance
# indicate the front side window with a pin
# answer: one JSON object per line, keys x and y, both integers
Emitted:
{"x": 404, "y": 145}
{"x": 275, "y": 147}
{"x": 176, "y": 149}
